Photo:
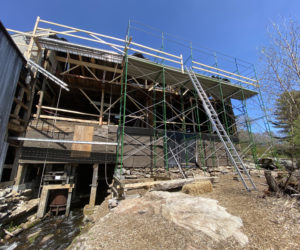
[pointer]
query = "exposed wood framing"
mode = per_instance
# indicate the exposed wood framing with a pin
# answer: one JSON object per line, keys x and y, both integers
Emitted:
{"x": 67, "y": 119}
{"x": 88, "y": 64}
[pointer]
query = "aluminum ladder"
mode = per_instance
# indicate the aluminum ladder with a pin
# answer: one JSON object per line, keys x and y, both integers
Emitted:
{"x": 223, "y": 136}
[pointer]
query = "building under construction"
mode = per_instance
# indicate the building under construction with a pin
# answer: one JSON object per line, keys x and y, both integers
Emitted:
{"x": 104, "y": 109}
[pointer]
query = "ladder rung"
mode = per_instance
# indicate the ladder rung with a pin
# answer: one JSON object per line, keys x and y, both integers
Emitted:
{"x": 213, "y": 116}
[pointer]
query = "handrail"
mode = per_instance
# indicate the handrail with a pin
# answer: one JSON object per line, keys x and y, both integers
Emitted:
{"x": 94, "y": 34}
{"x": 228, "y": 72}
{"x": 133, "y": 46}
{"x": 227, "y": 76}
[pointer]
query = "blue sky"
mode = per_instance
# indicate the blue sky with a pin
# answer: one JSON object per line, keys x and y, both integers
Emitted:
{"x": 234, "y": 27}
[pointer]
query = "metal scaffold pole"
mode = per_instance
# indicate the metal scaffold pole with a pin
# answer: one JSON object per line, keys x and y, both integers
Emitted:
{"x": 154, "y": 129}
{"x": 222, "y": 99}
{"x": 183, "y": 126}
{"x": 122, "y": 116}
{"x": 247, "y": 121}
{"x": 265, "y": 118}
{"x": 201, "y": 149}
{"x": 165, "y": 120}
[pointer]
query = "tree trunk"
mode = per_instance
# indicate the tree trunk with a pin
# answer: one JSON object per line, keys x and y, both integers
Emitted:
{"x": 273, "y": 187}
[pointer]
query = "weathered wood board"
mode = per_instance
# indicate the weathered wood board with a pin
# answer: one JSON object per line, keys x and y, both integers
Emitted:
{"x": 82, "y": 133}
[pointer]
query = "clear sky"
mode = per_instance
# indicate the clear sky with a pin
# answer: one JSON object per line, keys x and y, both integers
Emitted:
{"x": 234, "y": 27}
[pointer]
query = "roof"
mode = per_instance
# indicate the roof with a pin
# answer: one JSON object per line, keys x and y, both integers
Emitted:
{"x": 146, "y": 69}
{"x": 138, "y": 66}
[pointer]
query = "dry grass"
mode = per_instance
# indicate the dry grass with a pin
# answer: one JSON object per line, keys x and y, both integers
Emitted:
{"x": 197, "y": 188}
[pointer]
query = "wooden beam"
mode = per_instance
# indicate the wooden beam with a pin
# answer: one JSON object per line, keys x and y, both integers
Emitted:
{"x": 68, "y": 111}
{"x": 67, "y": 119}
{"x": 82, "y": 68}
{"x": 16, "y": 128}
{"x": 94, "y": 185}
{"x": 102, "y": 99}
{"x": 87, "y": 97}
{"x": 92, "y": 73}
{"x": 88, "y": 64}
{"x": 58, "y": 186}
{"x": 70, "y": 69}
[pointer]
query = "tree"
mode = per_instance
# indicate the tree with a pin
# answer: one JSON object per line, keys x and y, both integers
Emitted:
{"x": 281, "y": 77}
{"x": 282, "y": 60}
{"x": 286, "y": 114}
{"x": 296, "y": 137}
{"x": 286, "y": 119}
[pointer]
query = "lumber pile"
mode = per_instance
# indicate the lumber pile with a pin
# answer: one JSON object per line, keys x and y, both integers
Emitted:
{"x": 165, "y": 185}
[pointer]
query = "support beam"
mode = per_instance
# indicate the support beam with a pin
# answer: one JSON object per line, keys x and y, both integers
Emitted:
{"x": 102, "y": 99}
{"x": 70, "y": 190}
{"x": 94, "y": 185}
{"x": 88, "y": 64}
{"x": 43, "y": 203}
{"x": 18, "y": 179}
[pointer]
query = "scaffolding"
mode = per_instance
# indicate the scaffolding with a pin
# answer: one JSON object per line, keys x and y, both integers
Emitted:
{"x": 168, "y": 125}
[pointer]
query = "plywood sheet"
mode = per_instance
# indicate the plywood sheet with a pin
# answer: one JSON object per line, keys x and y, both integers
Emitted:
{"x": 82, "y": 133}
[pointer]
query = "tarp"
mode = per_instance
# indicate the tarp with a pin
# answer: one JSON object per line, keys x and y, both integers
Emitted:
{"x": 11, "y": 63}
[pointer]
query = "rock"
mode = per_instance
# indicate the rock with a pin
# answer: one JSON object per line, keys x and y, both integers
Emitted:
{"x": 33, "y": 236}
{"x": 2, "y": 215}
{"x": 46, "y": 238}
{"x": 235, "y": 178}
{"x": 189, "y": 212}
{"x": 32, "y": 218}
{"x": 112, "y": 203}
{"x": 288, "y": 164}
{"x": 7, "y": 237}
{"x": 2, "y": 193}
{"x": 3, "y": 207}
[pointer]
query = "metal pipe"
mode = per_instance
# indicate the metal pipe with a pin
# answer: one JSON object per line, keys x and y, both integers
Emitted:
{"x": 61, "y": 141}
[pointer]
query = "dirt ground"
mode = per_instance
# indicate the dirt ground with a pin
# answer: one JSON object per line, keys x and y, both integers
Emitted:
{"x": 269, "y": 223}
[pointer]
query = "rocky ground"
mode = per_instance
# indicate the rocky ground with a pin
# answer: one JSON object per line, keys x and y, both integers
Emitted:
{"x": 13, "y": 206}
{"x": 13, "y": 203}
{"x": 157, "y": 221}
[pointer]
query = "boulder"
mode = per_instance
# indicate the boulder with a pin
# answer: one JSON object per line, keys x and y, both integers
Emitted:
{"x": 196, "y": 214}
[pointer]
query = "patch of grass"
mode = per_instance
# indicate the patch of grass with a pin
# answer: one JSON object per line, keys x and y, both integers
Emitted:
{"x": 11, "y": 227}
{"x": 32, "y": 238}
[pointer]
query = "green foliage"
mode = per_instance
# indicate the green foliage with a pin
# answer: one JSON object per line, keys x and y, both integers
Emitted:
{"x": 12, "y": 227}
{"x": 296, "y": 136}
{"x": 287, "y": 110}
{"x": 287, "y": 115}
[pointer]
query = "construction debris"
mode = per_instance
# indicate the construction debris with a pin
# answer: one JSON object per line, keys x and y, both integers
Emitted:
{"x": 14, "y": 205}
